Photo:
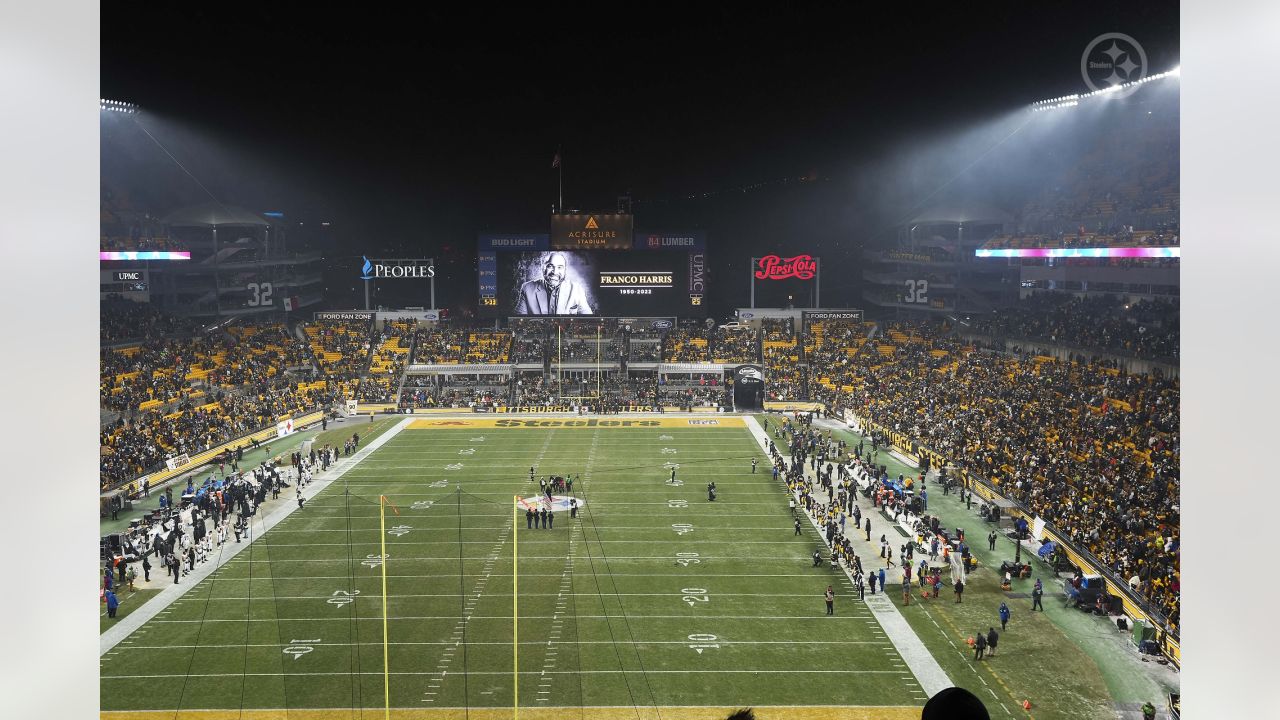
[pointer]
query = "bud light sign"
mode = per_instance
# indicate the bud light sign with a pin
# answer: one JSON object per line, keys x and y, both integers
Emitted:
{"x": 773, "y": 267}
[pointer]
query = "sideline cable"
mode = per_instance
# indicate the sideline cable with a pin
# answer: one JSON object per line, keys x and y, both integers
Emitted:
{"x": 604, "y": 609}
{"x": 625, "y": 620}
{"x": 195, "y": 646}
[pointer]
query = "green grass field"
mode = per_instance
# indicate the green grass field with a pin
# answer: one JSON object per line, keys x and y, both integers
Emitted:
{"x": 655, "y": 602}
{"x": 653, "y": 597}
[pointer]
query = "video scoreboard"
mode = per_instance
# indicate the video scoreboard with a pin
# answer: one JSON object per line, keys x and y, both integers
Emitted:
{"x": 592, "y": 265}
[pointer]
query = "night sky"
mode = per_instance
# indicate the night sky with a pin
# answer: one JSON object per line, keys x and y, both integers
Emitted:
{"x": 411, "y": 132}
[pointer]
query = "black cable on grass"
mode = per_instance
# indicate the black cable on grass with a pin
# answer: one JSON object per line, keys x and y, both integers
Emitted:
{"x": 577, "y": 629}
{"x": 625, "y": 620}
{"x": 275, "y": 609}
{"x": 357, "y": 685}
{"x": 466, "y": 687}
{"x": 248, "y": 607}
{"x": 200, "y": 629}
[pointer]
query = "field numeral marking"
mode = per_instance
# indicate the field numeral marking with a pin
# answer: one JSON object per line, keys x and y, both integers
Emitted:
{"x": 478, "y": 439}
{"x": 400, "y": 530}
{"x": 677, "y": 503}
{"x": 686, "y": 559}
{"x": 682, "y": 528}
{"x": 668, "y": 451}
{"x": 445, "y": 483}
{"x": 695, "y": 595}
{"x": 670, "y": 466}
{"x": 422, "y": 505}
{"x": 665, "y": 437}
{"x": 467, "y": 451}
{"x": 343, "y": 597}
{"x": 297, "y": 650}
{"x": 375, "y": 561}
{"x": 703, "y": 642}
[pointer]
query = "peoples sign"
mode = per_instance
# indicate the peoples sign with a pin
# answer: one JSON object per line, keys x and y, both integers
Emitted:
{"x": 773, "y": 267}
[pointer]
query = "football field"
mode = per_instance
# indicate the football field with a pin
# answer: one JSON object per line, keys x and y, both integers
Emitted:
{"x": 653, "y": 602}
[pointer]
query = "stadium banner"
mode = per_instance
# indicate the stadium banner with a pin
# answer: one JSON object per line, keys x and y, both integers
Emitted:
{"x": 371, "y": 408}
{"x": 535, "y": 409}
{"x": 812, "y": 315}
{"x": 775, "y": 267}
{"x": 575, "y": 423}
{"x": 438, "y": 411}
{"x": 284, "y": 428}
{"x": 344, "y": 316}
{"x": 353, "y": 407}
{"x": 397, "y": 268}
{"x": 688, "y": 241}
{"x": 581, "y": 231}
{"x": 907, "y": 256}
{"x": 177, "y": 461}
{"x": 647, "y": 324}
{"x": 749, "y": 375}
{"x": 504, "y": 243}
{"x": 705, "y": 409}
{"x": 794, "y": 406}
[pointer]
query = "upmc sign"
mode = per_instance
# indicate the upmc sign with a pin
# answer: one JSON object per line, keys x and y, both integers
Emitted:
{"x": 773, "y": 267}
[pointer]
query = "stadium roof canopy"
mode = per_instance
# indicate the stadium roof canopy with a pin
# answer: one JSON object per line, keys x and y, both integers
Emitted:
{"x": 959, "y": 212}
{"x": 214, "y": 215}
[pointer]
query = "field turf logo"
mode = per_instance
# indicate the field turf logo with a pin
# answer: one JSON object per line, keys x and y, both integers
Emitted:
{"x": 576, "y": 423}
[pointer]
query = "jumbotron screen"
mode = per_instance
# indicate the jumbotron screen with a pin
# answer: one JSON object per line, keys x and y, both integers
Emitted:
{"x": 595, "y": 282}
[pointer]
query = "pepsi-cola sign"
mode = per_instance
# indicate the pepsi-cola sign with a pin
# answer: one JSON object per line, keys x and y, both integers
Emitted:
{"x": 774, "y": 267}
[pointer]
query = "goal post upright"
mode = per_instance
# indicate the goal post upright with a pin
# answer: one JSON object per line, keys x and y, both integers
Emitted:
{"x": 515, "y": 607}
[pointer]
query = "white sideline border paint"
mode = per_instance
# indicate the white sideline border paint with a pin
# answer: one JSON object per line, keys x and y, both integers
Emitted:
{"x": 922, "y": 664}
{"x": 153, "y": 607}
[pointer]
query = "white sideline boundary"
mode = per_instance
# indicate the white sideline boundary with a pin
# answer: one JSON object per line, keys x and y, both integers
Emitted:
{"x": 120, "y": 631}
{"x": 922, "y": 664}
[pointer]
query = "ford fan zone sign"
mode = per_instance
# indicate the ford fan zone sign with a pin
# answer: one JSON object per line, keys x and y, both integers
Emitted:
{"x": 773, "y": 267}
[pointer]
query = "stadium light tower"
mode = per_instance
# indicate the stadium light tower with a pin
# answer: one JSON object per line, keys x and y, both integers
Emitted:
{"x": 119, "y": 106}
{"x": 1073, "y": 100}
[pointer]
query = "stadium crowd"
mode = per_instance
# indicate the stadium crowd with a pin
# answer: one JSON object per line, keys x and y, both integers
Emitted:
{"x": 1091, "y": 449}
{"x": 1146, "y": 329}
